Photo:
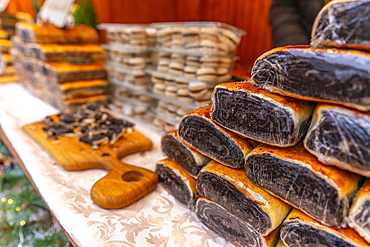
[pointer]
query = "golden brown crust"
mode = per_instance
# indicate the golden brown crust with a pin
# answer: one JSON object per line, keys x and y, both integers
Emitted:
{"x": 344, "y": 181}
{"x": 83, "y": 84}
{"x": 65, "y": 66}
{"x": 3, "y": 34}
{"x": 86, "y": 99}
{"x": 345, "y": 233}
{"x": 50, "y": 34}
{"x": 364, "y": 191}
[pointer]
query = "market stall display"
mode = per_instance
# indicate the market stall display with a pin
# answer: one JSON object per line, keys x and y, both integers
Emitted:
{"x": 276, "y": 160}
{"x": 279, "y": 102}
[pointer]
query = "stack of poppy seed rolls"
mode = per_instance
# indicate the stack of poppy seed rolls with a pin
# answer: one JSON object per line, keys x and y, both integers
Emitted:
{"x": 296, "y": 135}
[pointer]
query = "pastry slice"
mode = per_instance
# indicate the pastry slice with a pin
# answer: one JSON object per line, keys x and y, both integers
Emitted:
{"x": 177, "y": 181}
{"x": 341, "y": 137}
{"x": 5, "y": 45}
{"x": 231, "y": 189}
{"x": 344, "y": 23}
{"x": 87, "y": 53}
{"x": 300, "y": 230}
{"x": 230, "y": 227}
{"x": 297, "y": 177}
{"x": 71, "y": 90}
{"x": 198, "y": 130}
{"x": 80, "y": 34}
{"x": 191, "y": 160}
{"x": 64, "y": 71}
{"x": 324, "y": 75}
{"x": 260, "y": 115}
{"x": 359, "y": 215}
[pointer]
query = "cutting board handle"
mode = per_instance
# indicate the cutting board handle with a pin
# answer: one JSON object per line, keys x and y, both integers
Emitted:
{"x": 123, "y": 185}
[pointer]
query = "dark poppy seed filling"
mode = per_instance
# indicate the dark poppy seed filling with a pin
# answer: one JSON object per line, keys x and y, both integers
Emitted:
{"x": 346, "y": 21}
{"x": 299, "y": 186}
{"x": 209, "y": 140}
{"x": 219, "y": 220}
{"x": 298, "y": 234}
{"x": 233, "y": 200}
{"x": 174, "y": 184}
{"x": 316, "y": 74}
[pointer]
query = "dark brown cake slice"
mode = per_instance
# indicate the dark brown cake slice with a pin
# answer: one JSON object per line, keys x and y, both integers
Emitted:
{"x": 344, "y": 24}
{"x": 324, "y": 75}
{"x": 64, "y": 71}
{"x": 191, "y": 160}
{"x": 177, "y": 181}
{"x": 341, "y": 137}
{"x": 88, "y": 53}
{"x": 300, "y": 230}
{"x": 75, "y": 89}
{"x": 260, "y": 115}
{"x": 230, "y": 227}
{"x": 198, "y": 130}
{"x": 231, "y": 189}
{"x": 297, "y": 177}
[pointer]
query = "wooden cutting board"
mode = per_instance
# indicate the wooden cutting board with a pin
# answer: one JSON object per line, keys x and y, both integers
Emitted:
{"x": 123, "y": 185}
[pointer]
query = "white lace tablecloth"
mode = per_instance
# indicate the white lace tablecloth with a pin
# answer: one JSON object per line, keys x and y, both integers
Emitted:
{"x": 156, "y": 220}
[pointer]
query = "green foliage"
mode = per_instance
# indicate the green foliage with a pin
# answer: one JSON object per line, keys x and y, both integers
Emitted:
{"x": 24, "y": 218}
{"x": 3, "y": 149}
{"x": 36, "y": 6}
{"x": 85, "y": 13}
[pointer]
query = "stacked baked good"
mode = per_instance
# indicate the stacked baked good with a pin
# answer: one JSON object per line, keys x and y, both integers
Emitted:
{"x": 7, "y": 69}
{"x": 190, "y": 59}
{"x": 61, "y": 66}
{"x": 127, "y": 57}
{"x": 274, "y": 144}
